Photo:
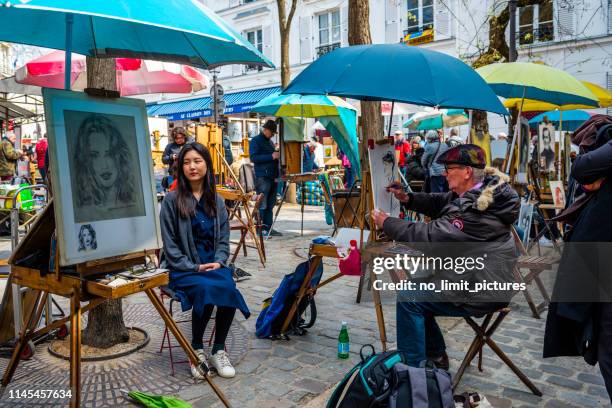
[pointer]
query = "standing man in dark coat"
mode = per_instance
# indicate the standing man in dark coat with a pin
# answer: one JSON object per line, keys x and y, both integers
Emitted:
{"x": 579, "y": 321}
{"x": 264, "y": 156}
{"x": 480, "y": 208}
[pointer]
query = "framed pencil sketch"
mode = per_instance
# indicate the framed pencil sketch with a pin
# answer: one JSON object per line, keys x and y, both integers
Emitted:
{"x": 546, "y": 147}
{"x": 558, "y": 194}
{"x": 101, "y": 170}
{"x": 525, "y": 220}
{"x": 384, "y": 170}
{"x": 524, "y": 140}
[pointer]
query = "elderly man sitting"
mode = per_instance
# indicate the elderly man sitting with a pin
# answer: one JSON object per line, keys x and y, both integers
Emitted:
{"x": 480, "y": 208}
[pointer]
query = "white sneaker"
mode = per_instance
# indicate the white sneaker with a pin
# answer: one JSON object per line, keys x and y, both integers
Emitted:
{"x": 220, "y": 361}
{"x": 196, "y": 372}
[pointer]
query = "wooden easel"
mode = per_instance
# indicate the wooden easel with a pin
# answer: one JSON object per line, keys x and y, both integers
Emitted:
{"x": 81, "y": 287}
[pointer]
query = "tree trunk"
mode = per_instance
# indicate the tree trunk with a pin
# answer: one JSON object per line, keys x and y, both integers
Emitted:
{"x": 284, "y": 27}
{"x": 497, "y": 51}
{"x": 285, "y": 71}
{"x": 359, "y": 33}
{"x": 105, "y": 325}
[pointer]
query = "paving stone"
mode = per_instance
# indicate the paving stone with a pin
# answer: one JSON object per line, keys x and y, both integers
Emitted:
{"x": 300, "y": 396}
{"x": 553, "y": 369}
{"x": 311, "y": 385}
{"x": 582, "y": 399}
{"x": 280, "y": 351}
{"x": 591, "y": 378}
{"x": 514, "y": 334}
{"x": 497, "y": 402}
{"x": 282, "y": 364}
{"x": 555, "y": 403}
{"x": 524, "y": 396}
{"x": 564, "y": 382}
{"x": 274, "y": 388}
{"x": 600, "y": 392}
{"x": 309, "y": 359}
{"x": 247, "y": 367}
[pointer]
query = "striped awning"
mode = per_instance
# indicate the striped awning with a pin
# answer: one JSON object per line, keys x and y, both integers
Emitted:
{"x": 235, "y": 102}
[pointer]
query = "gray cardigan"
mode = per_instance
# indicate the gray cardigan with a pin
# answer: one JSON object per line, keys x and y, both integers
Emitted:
{"x": 180, "y": 252}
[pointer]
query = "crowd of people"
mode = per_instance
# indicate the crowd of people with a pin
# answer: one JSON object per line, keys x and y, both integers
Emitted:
{"x": 15, "y": 163}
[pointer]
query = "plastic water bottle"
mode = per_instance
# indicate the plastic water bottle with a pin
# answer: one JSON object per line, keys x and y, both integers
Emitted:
{"x": 343, "y": 342}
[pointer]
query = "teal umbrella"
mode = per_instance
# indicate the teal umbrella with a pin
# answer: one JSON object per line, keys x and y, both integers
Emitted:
{"x": 336, "y": 115}
{"x": 182, "y": 31}
{"x": 437, "y": 119}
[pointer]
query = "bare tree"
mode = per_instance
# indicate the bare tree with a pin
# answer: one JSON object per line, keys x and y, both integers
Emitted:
{"x": 497, "y": 51}
{"x": 284, "y": 25}
{"x": 359, "y": 33}
{"x": 105, "y": 325}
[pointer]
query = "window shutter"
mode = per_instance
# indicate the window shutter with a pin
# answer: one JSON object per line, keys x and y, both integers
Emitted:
{"x": 344, "y": 24}
{"x": 305, "y": 40}
{"x": 565, "y": 19}
{"x": 268, "y": 49}
{"x": 392, "y": 21}
{"x": 442, "y": 20}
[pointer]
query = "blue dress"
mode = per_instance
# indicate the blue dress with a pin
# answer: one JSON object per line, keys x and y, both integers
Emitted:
{"x": 216, "y": 287}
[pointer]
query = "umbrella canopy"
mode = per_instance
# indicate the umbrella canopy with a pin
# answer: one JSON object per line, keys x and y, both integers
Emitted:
{"x": 428, "y": 78}
{"x": 569, "y": 120}
{"x": 305, "y": 106}
{"x": 181, "y": 31}
{"x": 538, "y": 82}
{"x": 437, "y": 119}
{"x": 134, "y": 76}
{"x": 336, "y": 115}
{"x": 604, "y": 97}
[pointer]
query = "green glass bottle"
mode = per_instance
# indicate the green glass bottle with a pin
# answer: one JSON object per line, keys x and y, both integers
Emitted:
{"x": 343, "y": 342}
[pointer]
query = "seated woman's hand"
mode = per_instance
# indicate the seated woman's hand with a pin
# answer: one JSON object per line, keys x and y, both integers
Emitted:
{"x": 593, "y": 186}
{"x": 209, "y": 267}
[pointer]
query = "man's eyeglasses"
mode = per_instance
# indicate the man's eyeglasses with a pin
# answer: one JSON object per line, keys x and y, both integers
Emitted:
{"x": 447, "y": 168}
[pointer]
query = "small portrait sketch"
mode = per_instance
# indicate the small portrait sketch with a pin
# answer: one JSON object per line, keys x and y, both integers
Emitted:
{"x": 384, "y": 171}
{"x": 87, "y": 238}
{"x": 546, "y": 147}
{"x": 104, "y": 166}
{"x": 525, "y": 220}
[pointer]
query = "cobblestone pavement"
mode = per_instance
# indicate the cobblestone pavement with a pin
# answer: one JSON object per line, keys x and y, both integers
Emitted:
{"x": 292, "y": 373}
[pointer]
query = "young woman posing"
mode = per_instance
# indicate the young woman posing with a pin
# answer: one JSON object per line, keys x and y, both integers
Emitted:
{"x": 195, "y": 232}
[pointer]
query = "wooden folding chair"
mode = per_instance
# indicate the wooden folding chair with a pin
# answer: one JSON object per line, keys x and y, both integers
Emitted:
{"x": 536, "y": 265}
{"x": 238, "y": 224}
{"x": 484, "y": 332}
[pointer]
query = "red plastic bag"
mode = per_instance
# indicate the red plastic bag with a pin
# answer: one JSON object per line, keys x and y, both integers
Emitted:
{"x": 351, "y": 265}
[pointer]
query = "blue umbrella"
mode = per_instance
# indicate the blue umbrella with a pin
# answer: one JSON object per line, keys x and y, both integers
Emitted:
{"x": 399, "y": 73}
{"x": 182, "y": 31}
{"x": 570, "y": 120}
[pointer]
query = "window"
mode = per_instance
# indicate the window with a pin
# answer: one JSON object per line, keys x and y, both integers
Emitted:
{"x": 420, "y": 16}
{"x": 536, "y": 23}
{"x": 329, "y": 32}
{"x": 255, "y": 37}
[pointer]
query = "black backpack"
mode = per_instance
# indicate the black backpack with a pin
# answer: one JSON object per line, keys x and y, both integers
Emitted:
{"x": 384, "y": 380}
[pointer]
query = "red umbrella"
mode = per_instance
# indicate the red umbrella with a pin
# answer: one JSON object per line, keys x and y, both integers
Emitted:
{"x": 134, "y": 76}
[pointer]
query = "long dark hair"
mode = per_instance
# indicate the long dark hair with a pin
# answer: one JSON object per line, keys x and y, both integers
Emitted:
{"x": 185, "y": 201}
{"x": 91, "y": 191}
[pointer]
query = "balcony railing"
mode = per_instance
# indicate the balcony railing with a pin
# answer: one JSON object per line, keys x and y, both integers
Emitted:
{"x": 544, "y": 33}
{"x": 324, "y": 49}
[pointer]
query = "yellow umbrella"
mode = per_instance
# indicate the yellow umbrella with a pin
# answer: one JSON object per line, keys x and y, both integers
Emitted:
{"x": 603, "y": 96}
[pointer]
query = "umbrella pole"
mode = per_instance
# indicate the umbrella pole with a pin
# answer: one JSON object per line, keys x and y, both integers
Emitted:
{"x": 561, "y": 145}
{"x": 516, "y": 132}
{"x": 470, "y": 121}
{"x": 390, "y": 119}
{"x": 68, "y": 56}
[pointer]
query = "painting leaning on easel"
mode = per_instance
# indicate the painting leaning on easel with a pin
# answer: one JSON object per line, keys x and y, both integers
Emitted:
{"x": 384, "y": 170}
{"x": 101, "y": 174}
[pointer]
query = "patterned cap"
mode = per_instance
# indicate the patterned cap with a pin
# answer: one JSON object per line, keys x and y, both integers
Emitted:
{"x": 466, "y": 155}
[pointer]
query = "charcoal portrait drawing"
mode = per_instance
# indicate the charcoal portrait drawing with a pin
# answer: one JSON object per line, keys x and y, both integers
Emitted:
{"x": 104, "y": 166}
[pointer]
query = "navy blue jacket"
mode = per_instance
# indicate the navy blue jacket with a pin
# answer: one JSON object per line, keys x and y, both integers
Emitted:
{"x": 260, "y": 151}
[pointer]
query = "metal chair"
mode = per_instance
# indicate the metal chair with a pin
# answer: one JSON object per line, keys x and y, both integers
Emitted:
{"x": 166, "y": 292}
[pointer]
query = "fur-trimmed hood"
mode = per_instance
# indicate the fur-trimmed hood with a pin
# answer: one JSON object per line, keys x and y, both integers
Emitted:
{"x": 496, "y": 196}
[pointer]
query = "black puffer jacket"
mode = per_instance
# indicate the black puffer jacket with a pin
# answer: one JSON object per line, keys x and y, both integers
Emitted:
{"x": 414, "y": 168}
{"x": 483, "y": 216}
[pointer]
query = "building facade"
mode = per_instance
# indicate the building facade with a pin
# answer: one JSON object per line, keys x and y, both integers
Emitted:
{"x": 572, "y": 35}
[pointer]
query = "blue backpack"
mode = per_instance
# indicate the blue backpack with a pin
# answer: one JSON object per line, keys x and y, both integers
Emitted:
{"x": 275, "y": 309}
